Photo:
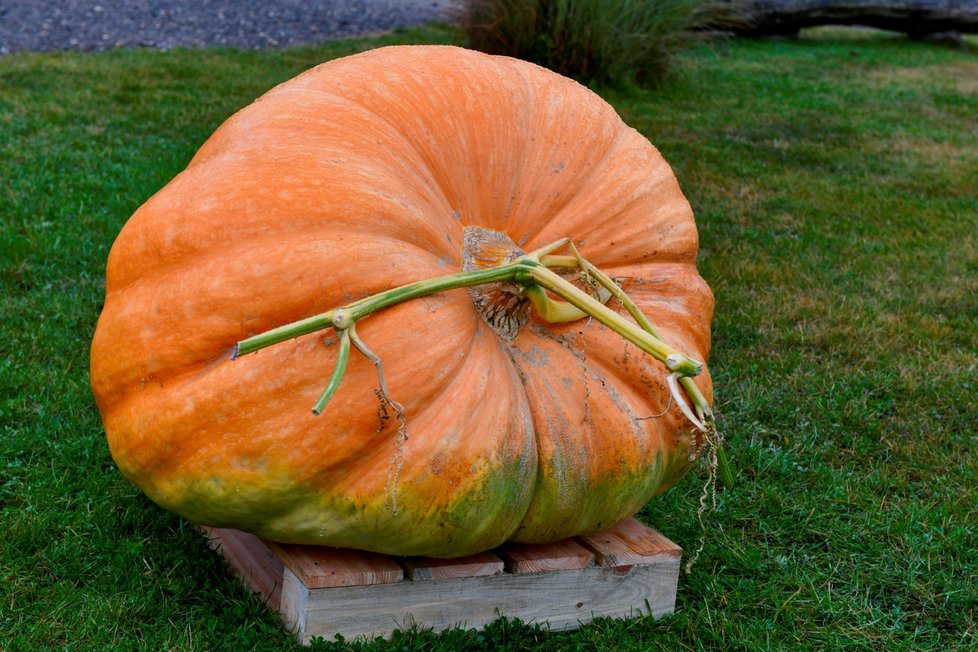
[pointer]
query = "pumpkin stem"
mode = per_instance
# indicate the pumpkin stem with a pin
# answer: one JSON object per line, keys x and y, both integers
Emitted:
{"x": 497, "y": 261}
{"x": 283, "y": 333}
{"x": 674, "y": 360}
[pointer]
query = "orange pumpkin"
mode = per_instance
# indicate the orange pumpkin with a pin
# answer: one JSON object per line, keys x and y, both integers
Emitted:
{"x": 353, "y": 178}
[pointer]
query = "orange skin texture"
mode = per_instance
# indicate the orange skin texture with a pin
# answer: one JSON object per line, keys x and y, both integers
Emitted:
{"x": 356, "y": 177}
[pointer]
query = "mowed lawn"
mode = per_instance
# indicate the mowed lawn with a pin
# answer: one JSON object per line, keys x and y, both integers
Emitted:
{"x": 835, "y": 182}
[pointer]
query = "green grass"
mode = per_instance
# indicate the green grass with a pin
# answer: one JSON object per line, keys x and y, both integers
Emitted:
{"x": 835, "y": 180}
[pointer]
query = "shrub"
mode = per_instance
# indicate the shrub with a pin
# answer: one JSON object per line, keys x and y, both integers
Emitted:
{"x": 606, "y": 41}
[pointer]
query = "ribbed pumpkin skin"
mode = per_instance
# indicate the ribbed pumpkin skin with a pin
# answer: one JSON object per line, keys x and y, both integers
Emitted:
{"x": 353, "y": 178}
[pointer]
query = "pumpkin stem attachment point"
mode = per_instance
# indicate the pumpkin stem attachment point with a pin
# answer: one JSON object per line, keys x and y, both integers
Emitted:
{"x": 342, "y": 319}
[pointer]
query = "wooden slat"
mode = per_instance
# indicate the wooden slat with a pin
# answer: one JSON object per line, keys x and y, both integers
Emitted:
{"x": 319, "y": 568}
{"x": 545, "y": 558}
{"x": 422, "y": 569}
{"x": 251, "y": 560}
{"x": 630, "y": 543}
{"x": 294, "y": 610}
{"x": 563, "y": 600}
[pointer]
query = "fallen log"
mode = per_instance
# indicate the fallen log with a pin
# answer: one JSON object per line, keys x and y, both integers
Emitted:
{"x": 916, "y": 18}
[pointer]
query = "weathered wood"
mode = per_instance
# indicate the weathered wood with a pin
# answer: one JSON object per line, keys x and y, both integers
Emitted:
{"x": 324, "y": 591}
{"x": 914, "y": 17}
{"x": 562, "y": 600}
{"x": 321, "y": 568}
{"x": 545, "y": 558}
{"x": 251, "y": 560}
{"x": 631, "y": 543}
{"x": 294, "y": 606}
{"x": 422, "y": 569}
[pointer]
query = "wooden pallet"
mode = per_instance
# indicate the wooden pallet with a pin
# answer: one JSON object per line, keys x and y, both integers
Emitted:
{"x": 627, "y": 570}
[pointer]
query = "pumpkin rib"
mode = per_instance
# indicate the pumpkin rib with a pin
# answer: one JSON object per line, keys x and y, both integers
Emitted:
{"x": 177, "y": 271}
{"x": 152, "y": 251}
{"x": 529, "y": 237}
{"x": 493, "y": 515}
{"x": 456, "y": 382}
{"x": 521, "y": 160}
{"x": 455, "y": 469}
{"x": 288, "y": 383}
{"x": 152, "y": 315}
{"x": 673, "y": 430}
{"x": 612, "y": 230}
{"x": 201, "y": 373}
{"x": 426, "y": 181}
{"x": 581, "y": 483}
{"x": 225, "y": 135}
{"x": 224, "y": 161}
{"x": 418, "y": 134}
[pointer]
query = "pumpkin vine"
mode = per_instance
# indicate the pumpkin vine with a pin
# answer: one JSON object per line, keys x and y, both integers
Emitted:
{"x": 533, "y": 275}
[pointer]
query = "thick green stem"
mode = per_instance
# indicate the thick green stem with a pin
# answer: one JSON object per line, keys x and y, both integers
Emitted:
{"x": 525, "y": 272}
{"x": 389, "y": 298}
{"x": 283, "y": 333}
{"x": 334, "y": 382}
{"x": 674, "y": 360}
{"x": 364, "y": 307}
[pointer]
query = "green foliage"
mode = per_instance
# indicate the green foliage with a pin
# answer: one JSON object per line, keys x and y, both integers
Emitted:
{"x": 606, "y": 41}
{"x": 833, "y": 180}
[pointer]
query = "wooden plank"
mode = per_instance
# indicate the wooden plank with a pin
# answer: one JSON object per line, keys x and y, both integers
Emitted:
{"x": 562, "y": 600}
{"x": 251, "y": 560}
{"x": 294, "y": 610}
{"x": 545, "y": 558}
{"x": 421, "y": 569}
{"x": 318, "y": 567}
{"x": 630, "y": 543}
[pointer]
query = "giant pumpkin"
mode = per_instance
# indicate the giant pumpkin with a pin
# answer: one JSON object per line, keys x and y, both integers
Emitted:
{"x": 359, "y": 176}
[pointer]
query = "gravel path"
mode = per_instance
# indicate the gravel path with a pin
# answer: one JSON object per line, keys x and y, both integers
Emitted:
{"x": 102, "y": 24}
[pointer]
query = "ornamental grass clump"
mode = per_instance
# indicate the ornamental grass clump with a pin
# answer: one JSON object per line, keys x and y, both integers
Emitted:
{"x": 606, "y": 41}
